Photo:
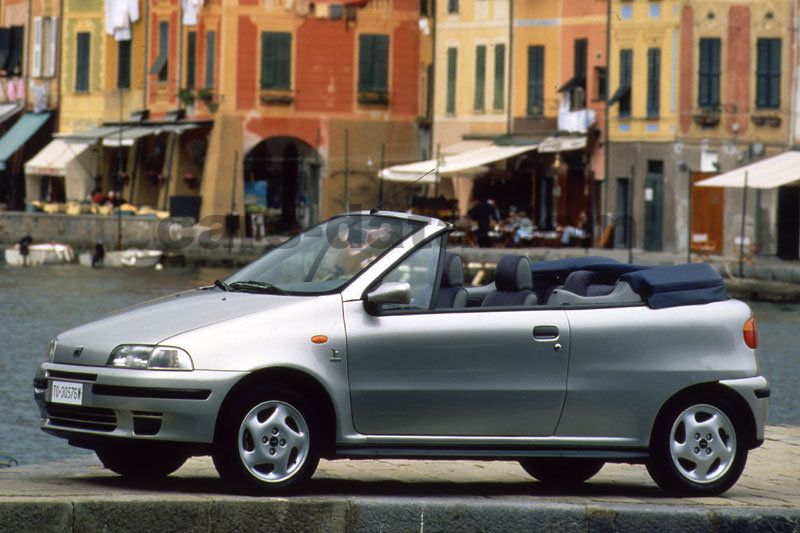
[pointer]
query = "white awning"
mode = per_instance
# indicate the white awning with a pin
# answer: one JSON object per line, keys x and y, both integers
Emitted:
{"x": 562, "y": 144}
{"x": 53, "y": 159}
{"x": 128, "y": 137}
{"x": 769, "y": 173}
{"x": 468, "y": 163}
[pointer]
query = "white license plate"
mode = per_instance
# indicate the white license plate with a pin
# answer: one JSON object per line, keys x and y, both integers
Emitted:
{"x": 66, "y": 392}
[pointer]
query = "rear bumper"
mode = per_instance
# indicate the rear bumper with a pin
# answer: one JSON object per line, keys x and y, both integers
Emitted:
{"x": 755, "y": 391}
{"x": 157, "y": 406}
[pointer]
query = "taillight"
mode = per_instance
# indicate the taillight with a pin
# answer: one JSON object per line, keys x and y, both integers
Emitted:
{"x": 750, "y": 333}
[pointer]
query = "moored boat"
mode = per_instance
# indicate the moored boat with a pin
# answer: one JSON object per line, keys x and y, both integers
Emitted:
{"x": 40, "y": 254}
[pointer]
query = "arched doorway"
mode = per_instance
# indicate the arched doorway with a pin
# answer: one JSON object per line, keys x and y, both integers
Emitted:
{"x": 281, "y": 181}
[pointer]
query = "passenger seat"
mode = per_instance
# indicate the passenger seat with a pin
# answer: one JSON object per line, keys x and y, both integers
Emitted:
{"x": 452, "y": 293}
{"x": 513, "y": 283}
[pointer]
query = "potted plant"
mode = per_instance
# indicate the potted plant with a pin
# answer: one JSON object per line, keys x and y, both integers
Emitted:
{"x": 205, "y": 95}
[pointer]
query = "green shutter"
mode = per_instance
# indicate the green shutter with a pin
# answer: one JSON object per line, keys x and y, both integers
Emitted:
{"x": 191, "y": 56}
{"x": 452, "y": 57}
{"x": 163, "y": 49}
{"x": 709, "y": 71}
{"x": 365, "y": 63}
{"x": 82, "y": 57}
{"x": 211, "y": 44}
{"x": 535, "y": 80}
{"x": 381, "y": 58}
{"x": 625, "y": 91}
{"x": 768, "y": 74}
{"x": 276, "y": 60}
{"x": 653, "y": 82}
{"x": 123, "y": 64}
{"x": 373, "y": 63}
{"x": 499, "y": 76}
{"x": 480, "y": 77}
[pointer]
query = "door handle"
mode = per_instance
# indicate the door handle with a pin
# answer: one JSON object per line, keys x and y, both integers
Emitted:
{"x": 545, "y": 333}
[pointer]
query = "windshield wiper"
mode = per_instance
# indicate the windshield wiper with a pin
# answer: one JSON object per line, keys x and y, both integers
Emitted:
{"x": 256, "y": 286}
{"x": 221, "y": 285}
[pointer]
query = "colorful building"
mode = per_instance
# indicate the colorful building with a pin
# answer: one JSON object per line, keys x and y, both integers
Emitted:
{"x": 559, "y": 94}
{"x": 736, "y": 100}
{"x": 307, "y": 97}
{"x": 28, "y": 95}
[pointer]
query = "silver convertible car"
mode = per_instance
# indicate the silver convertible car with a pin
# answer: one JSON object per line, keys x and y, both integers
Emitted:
{"x": 359, "y": 339}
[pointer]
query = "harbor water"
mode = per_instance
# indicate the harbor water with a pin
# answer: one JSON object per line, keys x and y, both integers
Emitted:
{"x": 38, "y": 303}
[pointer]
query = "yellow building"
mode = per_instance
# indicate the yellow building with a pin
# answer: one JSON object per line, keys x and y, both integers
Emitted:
{"x": 644, "y": 83}
{"x": 471, "y": 77}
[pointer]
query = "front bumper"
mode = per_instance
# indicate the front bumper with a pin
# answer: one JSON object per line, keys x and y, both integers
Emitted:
{"x": 755, "y": 391}
{"x": 153, "y": 405}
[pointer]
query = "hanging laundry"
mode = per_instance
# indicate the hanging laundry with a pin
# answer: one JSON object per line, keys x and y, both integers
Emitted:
{"x": 120, "y": 14}
{"x": 190, "y": 10}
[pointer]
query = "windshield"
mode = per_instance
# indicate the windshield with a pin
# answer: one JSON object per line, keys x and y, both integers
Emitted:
{"x": 326, "y": 257}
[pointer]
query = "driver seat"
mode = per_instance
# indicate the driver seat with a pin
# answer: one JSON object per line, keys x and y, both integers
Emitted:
{"x": 452, "y": 293}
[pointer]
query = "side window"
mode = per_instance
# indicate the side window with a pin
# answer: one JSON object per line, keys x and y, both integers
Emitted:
{"x": 419, "y": 271}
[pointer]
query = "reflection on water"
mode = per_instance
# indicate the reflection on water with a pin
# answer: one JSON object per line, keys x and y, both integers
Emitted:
{"x": 38, "y": 303}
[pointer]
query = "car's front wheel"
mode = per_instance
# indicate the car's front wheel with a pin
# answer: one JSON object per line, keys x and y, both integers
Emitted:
{"x": 698, "y": 448}
{"x": 559, "y": 472}
{"x": 141, "y": 461}
{"x": 268, "y": 441}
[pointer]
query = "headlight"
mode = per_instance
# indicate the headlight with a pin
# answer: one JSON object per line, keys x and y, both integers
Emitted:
{"x": 51, "y": 352}
{"x": 150, "y": 357}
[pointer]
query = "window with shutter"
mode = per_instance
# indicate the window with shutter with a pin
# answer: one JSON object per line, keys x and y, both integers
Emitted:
{"x": 480, "y": 77}
{"x": 499, "y": 77}
{"x": 161, "y": 67}
{"x": 276, "y": 65}
{"x": 708, "y": 74}
{"x": 82, "y": 57}
{"x": 535, "y": 81}
{"x": 452, "y": 58}
{"x": 191, "y": 57}
{"x": 373, "y": 68}
{"x": 211, "y": 44}
{"x": 653, "y": 82}
{"x": 123, "y": 64}
{"x": 50, "y": 52}
{"x": 38, "y": 43}
{"x": 768, "y": 74}
{"x": 625, "y": 78}
{"x": 452, "y": 6}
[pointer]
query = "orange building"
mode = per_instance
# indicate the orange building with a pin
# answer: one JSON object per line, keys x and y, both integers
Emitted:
{"x": 303, "y": 96}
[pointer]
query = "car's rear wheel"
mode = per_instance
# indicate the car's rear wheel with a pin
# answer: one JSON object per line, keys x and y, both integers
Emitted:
{"x": 698, "y": 448}
{"x": 141, "y": 460}
{"x": 268, "y": 442}
{"x": 561, "y": 472}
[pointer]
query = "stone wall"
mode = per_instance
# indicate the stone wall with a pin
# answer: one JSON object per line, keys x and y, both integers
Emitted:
{"x": 81, "y": 232}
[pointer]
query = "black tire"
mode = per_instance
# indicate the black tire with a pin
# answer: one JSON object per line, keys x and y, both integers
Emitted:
{"x": 559, "y": 472}
{"x": 716, "y": 477}
{"x": 140, "y": 460}
{"x": 229, "y": 461}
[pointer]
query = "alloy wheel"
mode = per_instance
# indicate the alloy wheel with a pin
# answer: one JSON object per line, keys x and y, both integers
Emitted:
{"x": 702, "y": 444}
{"x": 273, "y": 441}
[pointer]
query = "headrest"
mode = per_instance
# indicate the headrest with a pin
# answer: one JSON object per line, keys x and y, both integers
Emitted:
{"x": 513, "y": 273}
{"x": 578, "y": 282}
{"x": 453, "y": 270}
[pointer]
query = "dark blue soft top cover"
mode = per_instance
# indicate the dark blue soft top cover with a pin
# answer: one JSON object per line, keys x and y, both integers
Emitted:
{"x": 670, "y": 286}
{"x": 662, "y": 286}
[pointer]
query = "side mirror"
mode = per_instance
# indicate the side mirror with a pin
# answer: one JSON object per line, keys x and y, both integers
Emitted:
{"x": 391, "y": 292}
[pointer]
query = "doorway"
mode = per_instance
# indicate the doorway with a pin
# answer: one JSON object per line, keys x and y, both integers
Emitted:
{"x": 789, "y": 223}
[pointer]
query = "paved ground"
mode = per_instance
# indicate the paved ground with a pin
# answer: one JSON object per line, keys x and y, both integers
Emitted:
{"x": 384, "y": 495}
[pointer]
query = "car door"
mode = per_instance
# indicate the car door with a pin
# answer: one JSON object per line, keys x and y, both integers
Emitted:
{"x": 466, "y": 372}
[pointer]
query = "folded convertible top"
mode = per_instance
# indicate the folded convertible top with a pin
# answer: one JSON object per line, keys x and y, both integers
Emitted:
{"x": 670, "y": 286}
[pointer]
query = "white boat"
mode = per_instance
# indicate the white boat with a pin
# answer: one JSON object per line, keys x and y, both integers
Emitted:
{"x": 40, "y": 254}
{"x": 131, "y": 258}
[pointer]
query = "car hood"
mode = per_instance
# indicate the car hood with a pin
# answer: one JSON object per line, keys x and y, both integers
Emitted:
{"x": 154, "y": 321}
